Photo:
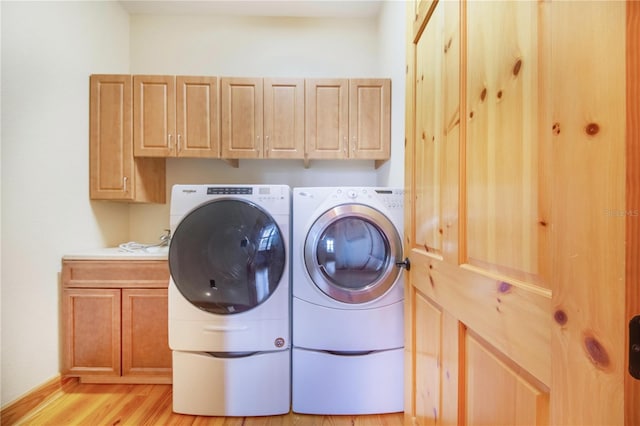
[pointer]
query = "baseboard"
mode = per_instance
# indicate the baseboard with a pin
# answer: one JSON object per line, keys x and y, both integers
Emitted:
{"x": 19, "y": 408}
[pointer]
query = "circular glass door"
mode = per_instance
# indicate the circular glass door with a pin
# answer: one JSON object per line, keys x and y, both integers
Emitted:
{"x": 351, "y": 253}
{"x": 227, "y": 256}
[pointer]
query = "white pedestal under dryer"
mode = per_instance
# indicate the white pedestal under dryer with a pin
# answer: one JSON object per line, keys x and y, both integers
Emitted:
{"x": 348, "y": 300}
{"x": 229, "y": 299}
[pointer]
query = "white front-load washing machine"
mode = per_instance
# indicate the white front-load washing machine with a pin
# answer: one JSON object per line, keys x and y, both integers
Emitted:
{"x": 348, "y": 300}
{"x": 229, "y": 299}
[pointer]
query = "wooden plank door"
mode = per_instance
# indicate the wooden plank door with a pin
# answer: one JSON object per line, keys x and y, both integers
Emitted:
{"x": 197, "y": 117}
{"x": 517, "y": 304}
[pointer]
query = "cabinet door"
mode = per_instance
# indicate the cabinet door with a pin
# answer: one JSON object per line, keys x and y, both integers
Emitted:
{"x": 284, "y": 118}
{"x": 327, "y": 118}
{"x": 154, "y": 115}
{"x": 91, "y": 332}
{"x": 145, "y": 343}
{"x": 110, "y": 144}
{"x": 241, "y": 117}
{"x": 114, "y": 173}
{"x": 370, "y": 119}
{"x": 197, "y": 117}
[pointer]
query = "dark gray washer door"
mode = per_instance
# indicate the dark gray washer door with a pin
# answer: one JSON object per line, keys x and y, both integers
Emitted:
{"x": 227, "y": 256}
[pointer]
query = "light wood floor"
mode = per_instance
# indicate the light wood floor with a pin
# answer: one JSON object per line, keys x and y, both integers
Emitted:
{"x": 92, "y": 404}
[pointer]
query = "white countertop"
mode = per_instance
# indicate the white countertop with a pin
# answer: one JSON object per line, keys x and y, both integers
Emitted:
{"x": 115, "y": 253}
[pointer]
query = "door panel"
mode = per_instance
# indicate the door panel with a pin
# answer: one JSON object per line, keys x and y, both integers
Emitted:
{"x": 513, "y": 399}
{"x": 241, "y": 117}
{"x": 515, "y": 307}
{"x": 429, "y": 137}
{"x": 284, "y": 118}
{"x": 91, "y": 332}
{"x": 502, "y": 166}
{"x": 589, "y": 170}
{"x": 369, "y": 119}
{"x": 428, "y": 356}
{"x": 326, "y": 118}
{"x": 111, "y": 145}
{"x": 154, "y": 115}
{"x": 197, "y": 117}
{"x": 145, "y": 342}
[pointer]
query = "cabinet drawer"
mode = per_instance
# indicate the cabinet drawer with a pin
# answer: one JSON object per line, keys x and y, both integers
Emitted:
{"x": 115, "y": 273}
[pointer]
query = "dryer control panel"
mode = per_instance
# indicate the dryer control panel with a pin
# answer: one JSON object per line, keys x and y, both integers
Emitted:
{"x": 391, "y": 198}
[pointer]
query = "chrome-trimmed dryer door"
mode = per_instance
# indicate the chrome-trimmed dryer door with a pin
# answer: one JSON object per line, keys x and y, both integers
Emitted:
{"x": 351, "y": 251}
{"x": 227, "y": 256}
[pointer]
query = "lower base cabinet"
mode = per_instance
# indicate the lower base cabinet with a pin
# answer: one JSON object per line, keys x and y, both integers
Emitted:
{"x": 115, "y": 321}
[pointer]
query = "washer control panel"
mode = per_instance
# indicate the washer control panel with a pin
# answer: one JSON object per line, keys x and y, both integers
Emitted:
{"x": 391, "y": 198}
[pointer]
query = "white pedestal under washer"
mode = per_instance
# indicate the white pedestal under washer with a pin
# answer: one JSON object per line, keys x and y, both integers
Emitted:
{"x": 348, "y": 300}
{"x": 229, "y": 299}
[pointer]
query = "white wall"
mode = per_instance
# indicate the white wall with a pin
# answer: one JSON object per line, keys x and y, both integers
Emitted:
{"x": 48, "y": 51}
{"x": 271, "y": 47}
{"x": 393, "y": 60}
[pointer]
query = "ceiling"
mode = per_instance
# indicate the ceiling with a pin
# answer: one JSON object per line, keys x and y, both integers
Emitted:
{"x": 281, "y": 8}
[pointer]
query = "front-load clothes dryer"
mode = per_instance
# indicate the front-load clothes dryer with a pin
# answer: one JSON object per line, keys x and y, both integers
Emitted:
{"x": 229, "y": 299}
{"x": 348, "y": 300}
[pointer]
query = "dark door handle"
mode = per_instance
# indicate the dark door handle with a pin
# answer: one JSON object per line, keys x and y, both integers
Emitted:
{"x": 406, "y": 264}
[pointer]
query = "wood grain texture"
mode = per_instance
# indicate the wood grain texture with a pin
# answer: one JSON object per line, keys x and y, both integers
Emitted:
{"x": 154, "y": 115}
{"x": 632, "y": 386}
{"x": 326, "y": 118}
{"x": 115, "y": 274}
{"x": 123, "y": 404}
{"x": 40, "y": 396}
{"x": 369, "y": 118}
{"x": 114, "y": 321}
{"x": 588, "y": 204}
{"x": 284, "y": 118}
{"x": 241, "y": 117}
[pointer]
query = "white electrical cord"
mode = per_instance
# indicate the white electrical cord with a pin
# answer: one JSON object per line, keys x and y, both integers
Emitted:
{"x": 134, "y": 247}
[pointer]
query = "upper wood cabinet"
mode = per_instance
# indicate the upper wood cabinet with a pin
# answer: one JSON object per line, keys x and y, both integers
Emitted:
{"x": 327, "y": 118}
{"x": 262, "y": 118}
{"x": 369, "y": 119}
{"x": 175, "y": 116}
{"x": 284, "y": 118}
{"x": 138, "y": 120}
{"x": 348, "y": 119}
{"x": 114, "y": 173}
